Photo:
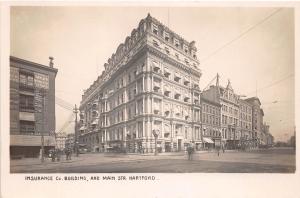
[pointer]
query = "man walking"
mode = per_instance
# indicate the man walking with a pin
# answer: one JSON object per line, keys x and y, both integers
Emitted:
{"x": 218, "y": 150}
{"x": 190, "y": 151}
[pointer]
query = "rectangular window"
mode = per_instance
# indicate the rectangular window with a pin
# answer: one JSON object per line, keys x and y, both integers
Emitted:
{"x": 26, "y": 80}
{"x": 176, "y": 42}
{"x": 27, "y": 127}
{"x": 26, "y": 103}
{"x": 166, "y": 35}
{"x": 23, "y": 79}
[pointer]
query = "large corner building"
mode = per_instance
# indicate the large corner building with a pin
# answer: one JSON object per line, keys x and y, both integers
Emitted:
{"x": 150, "y": 86}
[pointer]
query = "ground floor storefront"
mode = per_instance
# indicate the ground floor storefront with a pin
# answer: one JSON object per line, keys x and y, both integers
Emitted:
{"x": 28, "y": 151}
{"x": 145, "y": 145}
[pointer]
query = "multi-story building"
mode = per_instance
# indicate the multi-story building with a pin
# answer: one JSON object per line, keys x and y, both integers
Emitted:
{"x": 257, "y": 120}
{"x": 229, "y": 101}
{"x": 230, "y": 116}
{"x": 149, "y": 88}
{"x": 268, "y": 138}
{"x": 211, "y": 120}
{"x": 32, "y": 107}
{"x": 61, "y": 140}
{"x": 246, "y": 123}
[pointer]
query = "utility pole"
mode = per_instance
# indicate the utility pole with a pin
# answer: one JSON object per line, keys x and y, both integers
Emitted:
{"x": 76, "y": 133}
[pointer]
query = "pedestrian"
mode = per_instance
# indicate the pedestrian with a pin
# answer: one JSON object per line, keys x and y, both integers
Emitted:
{"x": 190, "y": 151}
{"x": 223, "y": 148}
{"x": 53, "y": 155}
{"x": 67, "y": 153}
{"x": 58, "y": 153}
{"x": 70, "y": 153}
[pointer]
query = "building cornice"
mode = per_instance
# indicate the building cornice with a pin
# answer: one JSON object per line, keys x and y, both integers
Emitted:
{"x": 32, "y": 64}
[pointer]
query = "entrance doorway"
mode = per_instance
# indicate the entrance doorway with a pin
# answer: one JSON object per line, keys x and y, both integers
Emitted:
{"x": 179, "y": 144}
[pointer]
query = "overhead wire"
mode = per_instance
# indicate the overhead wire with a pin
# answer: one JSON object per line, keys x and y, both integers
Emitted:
{"x": 240, "y": 35}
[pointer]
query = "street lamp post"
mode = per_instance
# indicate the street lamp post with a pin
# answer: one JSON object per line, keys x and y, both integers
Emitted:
{"x": 234, "y": 138}
{"x": 155, "y": 134}
{"x": 76, "y": 131}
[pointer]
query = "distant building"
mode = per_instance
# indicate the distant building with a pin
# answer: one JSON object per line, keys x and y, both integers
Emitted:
{"x": 270, "y": 140}
{"x": 257, "y": 120}
{"x": 245, "y": 124}
{"x": 32, "y": 107}
{"x": 61, "y": 139}
{"x": 149, "y": 86}
{"x": 70, "y": 141}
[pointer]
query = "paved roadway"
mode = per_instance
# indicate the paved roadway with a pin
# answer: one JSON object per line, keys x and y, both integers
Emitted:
{"x": 275, "y": 160}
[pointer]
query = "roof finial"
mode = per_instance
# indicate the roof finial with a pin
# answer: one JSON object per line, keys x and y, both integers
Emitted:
{"x": 217, "y": 82}
{"x": 51, "y": 61}
{"x": 229, "y": 84}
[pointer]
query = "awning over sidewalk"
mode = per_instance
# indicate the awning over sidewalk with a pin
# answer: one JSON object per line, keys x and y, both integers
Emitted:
{"x": 262, "y": 142}
{"x": 208, "y": 140}
{"x": 82, "y": 128}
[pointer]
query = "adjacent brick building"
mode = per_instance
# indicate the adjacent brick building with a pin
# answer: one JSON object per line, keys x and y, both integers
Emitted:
{"x": 211, "y": 120}
{"x": 32, "y": 107}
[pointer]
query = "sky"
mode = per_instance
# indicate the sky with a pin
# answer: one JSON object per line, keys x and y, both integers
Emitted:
{"x": 253, "y": 47}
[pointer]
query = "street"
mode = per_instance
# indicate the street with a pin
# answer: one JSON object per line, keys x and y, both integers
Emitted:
{"x": 274, "y": 160}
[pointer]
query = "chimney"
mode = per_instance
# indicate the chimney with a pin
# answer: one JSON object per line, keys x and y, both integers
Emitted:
{"x": 51, "y": 61}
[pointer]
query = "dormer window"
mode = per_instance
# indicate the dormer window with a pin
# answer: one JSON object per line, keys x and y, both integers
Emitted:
{"x": 155, "y": 29}
{"x": 166, "y": 35}
{"x": 186, "y": 49}
{"x": 176, "y": 42}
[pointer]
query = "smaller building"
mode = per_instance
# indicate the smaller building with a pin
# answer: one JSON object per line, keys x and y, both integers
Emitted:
{"x": 211, "y": 121}
{"x": 32, "y": 107}
{"x": 245, "y": 124}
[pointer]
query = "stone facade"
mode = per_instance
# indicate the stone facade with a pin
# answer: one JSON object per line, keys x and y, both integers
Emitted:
{"x": 32, "y": 107}
{"x": 149, "y": 86}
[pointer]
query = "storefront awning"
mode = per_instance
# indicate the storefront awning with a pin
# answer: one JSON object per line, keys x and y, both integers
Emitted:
{"x": 197, "y": 141}
{"x": 208, "y": 140}
{"x": 95, "y": 122}
{"x": 82, "y": 128}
